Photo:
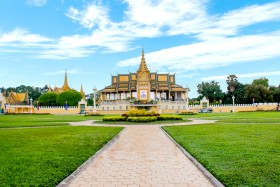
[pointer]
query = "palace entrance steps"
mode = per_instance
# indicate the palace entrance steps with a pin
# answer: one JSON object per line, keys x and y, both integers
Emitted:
{"x": 142, "y": 156}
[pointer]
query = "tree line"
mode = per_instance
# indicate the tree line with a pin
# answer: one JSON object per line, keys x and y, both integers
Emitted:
{"x": 33, "y": 92}
{"x": 259, "y": 91}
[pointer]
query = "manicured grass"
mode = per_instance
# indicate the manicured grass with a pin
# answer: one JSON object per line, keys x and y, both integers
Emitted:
{"x": 241, "y": 117}
{"x": 237, "y": 154}
{"x": 45, "y": 156}
{"x": 11, "y": 121}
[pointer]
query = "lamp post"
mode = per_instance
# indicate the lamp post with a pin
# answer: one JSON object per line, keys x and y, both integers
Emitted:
{"x": 253, "y": 102}
{"x": 233, "y": 103}
{"x": 31, "y": 105}
{"x": 187, "y": 95}
{"x": 94, "y": 105}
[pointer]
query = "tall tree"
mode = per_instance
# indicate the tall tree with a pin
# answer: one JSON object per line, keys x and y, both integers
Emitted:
{"x": 274, "y": 94}
{"x": 210, "y": 90}
{"x": 261, "y": 81}
{"x": 239, "y": 94}
{"x": 231, "y": 82}
{"x": 258, "y": 90}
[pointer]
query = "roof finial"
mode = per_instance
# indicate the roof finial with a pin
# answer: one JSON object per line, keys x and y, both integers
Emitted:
{"x": 143, "y": 66}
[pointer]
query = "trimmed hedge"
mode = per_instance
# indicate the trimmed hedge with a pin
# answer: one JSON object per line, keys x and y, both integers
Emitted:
{"x": 114, "y": 118}
{"x": 142, "y": 112}
{"x": 142, "y": 119}
{"x": 187, "y": 113}
{"x": 93, "y": 114}
{"x": 169, "y": 118}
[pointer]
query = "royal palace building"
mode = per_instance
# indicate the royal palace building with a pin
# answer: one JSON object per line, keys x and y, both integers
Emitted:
{"x": 144, "y": 87}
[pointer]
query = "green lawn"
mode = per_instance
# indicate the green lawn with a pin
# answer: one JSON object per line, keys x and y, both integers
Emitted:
{"x": 237, "y": 154}
{"x": 45, "y": 156}
{"x": 240, "y": 117}
{"x": 11, "y": 121}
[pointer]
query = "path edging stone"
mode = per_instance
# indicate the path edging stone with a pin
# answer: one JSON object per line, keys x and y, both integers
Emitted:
{"x": 205, "y": 172}
{"x": 68, "y": 179}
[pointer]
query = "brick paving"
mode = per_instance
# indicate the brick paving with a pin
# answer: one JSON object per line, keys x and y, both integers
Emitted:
{"x": 142, "y": 156}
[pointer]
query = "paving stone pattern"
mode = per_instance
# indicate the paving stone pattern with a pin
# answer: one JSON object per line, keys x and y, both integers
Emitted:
{"x": 142, "y": 156}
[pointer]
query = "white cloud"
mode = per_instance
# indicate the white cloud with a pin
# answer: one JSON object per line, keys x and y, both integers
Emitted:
{"x": 247, "y": 75}
{"x": 230, "y": 23}
{"x": 92, "y": 15}
{"x": 36, "y": 2}
{"x": 152, "y": 19}
{"x": 71, "y": 71}
{"x": 19, "y": 35}
{"x": 211, "y": 54}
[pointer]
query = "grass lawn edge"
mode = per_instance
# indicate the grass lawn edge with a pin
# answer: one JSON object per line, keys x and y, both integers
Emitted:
{"x": 205, "y": 172}
{"x": 68, "y": 179}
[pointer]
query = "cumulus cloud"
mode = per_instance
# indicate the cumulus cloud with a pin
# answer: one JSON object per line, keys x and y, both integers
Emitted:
{"x": 19, "y": 35}
{"x": 211, "y": 54}
{"x": 219, "y": 41}
{"x": 92, "y": 16}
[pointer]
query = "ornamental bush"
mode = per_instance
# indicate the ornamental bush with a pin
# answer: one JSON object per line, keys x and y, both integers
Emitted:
{"x": 114, "y": 118}
{"x": 142, "y": 119}
{"x": 187, "y": 113}
{"x": 142, "y": 112}
{"x": 169, "y": 118}
{"x": 133, "y": 113}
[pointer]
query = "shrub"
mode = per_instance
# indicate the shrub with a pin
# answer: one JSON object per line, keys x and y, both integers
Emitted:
{"x": 142, "y": 119}
{"x": 142, "y": 112}
{"x": 125, "y": 115}
{"x": 93, "y": 114}
{"x": 187, "y": 113}
{"x": 133, "y": 113}
{"x": 114, "y": 118}
{"x": 169, "y": 118}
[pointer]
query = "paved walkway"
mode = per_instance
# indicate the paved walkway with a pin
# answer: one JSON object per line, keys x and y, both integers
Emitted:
{"x": 142, "y": 156}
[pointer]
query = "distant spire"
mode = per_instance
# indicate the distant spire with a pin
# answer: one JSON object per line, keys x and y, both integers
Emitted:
{"x": 143, "y": 66}
{"x": 49, "y": 89}
{"x": 82, "y": 91}
{"x": 65, "y": 86}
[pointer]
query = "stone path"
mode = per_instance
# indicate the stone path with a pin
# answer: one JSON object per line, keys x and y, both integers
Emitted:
{"x": 142, "y": 156}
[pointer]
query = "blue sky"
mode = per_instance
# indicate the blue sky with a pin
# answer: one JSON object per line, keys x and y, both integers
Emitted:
{"x": 199, "y": 40}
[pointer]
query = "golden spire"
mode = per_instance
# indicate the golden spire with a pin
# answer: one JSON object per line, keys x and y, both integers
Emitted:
{"x": 65, "y": 86}
{"x": 82, "y": 91}
{"x": 143, "y": 66}
{"x": 49, "y": 89}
